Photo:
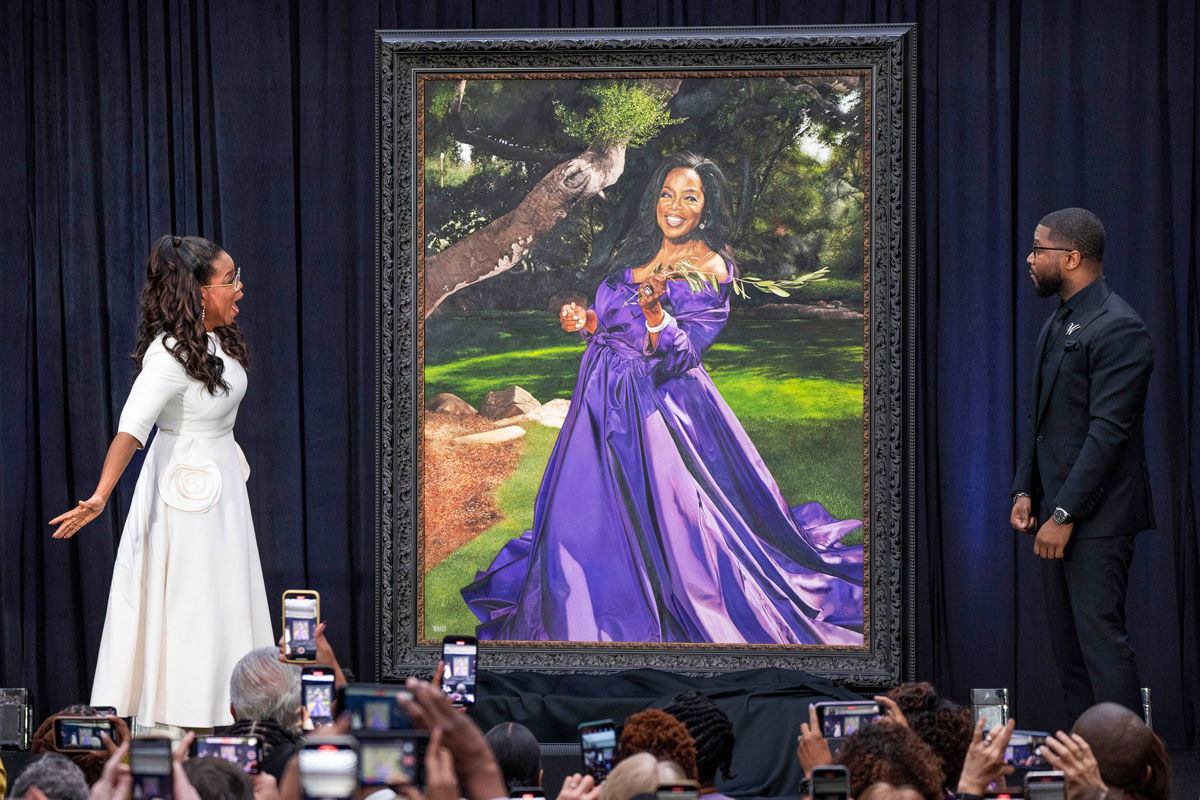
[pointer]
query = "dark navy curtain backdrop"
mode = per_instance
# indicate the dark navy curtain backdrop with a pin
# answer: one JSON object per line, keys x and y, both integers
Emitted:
{"x": 252, "y": 123}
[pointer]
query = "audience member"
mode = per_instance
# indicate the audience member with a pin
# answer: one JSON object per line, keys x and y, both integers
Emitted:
{"x": 943, "y": 724}
{"x": 218, "y": 779}
{"x": 639, "y": 773}
{"x": 264, "y": 698}
{"x": 92, "y": 763}
{"x": 712, "y": 733}
{"x": 885, "y": 791}
{"x": 984, "y": 762}
{"x": 54, "y": 775}
{"x": 1110, "y": 747}
{"x": 890, "y": 753}
{"x": 658, "y": 733}
{"x": 518, "y": 754}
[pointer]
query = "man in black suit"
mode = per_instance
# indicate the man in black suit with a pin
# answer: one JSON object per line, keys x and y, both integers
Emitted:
{"x": 1082, "y": 464}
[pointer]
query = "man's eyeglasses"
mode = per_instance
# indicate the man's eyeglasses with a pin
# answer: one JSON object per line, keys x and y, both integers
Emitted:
{"x": 237, "y": 279}
{"x": 1034, "y": 249}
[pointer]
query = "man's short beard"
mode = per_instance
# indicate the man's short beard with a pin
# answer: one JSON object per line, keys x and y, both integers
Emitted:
{"x": 1048, "y": 285}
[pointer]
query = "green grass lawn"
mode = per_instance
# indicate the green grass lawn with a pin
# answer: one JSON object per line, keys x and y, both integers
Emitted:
{"x": 796, "y": 386}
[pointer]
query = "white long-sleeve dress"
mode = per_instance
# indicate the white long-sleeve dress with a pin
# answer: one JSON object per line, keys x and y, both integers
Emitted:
{"x": 187, "y": 598}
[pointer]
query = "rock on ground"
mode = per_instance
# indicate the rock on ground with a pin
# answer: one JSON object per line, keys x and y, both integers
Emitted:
{"x": 446, "y": 403}
{"x": 508, "y": 403}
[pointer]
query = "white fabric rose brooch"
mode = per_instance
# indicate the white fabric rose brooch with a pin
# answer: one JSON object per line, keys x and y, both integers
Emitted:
{"x": 191, "y": 482}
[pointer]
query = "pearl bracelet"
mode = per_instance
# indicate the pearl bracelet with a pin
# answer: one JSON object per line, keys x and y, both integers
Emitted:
{"x": 666, "y": 320}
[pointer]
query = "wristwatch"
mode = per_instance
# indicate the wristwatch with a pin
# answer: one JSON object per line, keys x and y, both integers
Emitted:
{"x": 1062, "y": 516}
{"x": 806, "y": 786}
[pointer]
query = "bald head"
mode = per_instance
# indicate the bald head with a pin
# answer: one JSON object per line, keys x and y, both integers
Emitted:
{"x": 1130, "y": 755}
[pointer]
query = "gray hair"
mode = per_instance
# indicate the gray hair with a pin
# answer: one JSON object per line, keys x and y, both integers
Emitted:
{"x": 58, "y": 777}
{"x": 640, "y": 773}
{"x": 263, "y": 687}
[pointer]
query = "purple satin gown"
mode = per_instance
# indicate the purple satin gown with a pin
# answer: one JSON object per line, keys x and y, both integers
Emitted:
{"x": 657, "y": 520}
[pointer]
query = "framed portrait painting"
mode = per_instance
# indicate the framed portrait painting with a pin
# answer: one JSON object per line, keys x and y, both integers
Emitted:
{"x": 646, "y": 348}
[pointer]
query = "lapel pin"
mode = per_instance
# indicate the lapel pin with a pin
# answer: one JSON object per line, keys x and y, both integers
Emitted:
{"x": 1074, "y": 326}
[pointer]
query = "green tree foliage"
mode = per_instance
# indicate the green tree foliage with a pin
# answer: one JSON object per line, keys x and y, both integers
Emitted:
{"x": 625, "y": 113}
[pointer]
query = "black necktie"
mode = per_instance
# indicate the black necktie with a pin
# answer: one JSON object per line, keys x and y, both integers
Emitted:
{"x": 1055, "y": 328}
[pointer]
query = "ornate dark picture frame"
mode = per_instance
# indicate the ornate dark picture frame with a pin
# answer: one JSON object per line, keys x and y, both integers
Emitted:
{"x": 886, "y": 57}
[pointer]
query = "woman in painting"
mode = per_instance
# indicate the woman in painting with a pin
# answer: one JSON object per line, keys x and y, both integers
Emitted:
{"x": 656, "y": 519}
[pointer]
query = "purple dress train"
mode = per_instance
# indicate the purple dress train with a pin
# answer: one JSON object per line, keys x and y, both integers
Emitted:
{"x": 657, "y": 520}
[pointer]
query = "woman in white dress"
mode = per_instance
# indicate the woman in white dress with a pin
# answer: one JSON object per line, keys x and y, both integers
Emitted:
{"x": 187, "y": 598}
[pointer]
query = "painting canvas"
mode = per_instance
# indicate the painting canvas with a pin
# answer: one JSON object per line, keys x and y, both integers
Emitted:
{"x": 591, "y": 472}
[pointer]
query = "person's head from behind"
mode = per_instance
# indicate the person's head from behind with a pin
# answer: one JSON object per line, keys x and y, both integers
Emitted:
{"x": 890, "y": 753}
{"x": 218, "y": 779}
{"x": 640, "y": 773}
{"x": 660, "y": 734}
{"x": 1130, "y": 755}
{"x": 885, "y": 791}
{"x": 711, "y": 731}
{"x": 943, "y": 724}
{"x": 518, "y": 754}
{"x": 91, "y": 762}
{"x": 262, "y": 687}
{"x": 54, "y": 776}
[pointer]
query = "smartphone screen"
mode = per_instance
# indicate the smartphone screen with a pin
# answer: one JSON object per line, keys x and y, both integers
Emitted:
{"x": 599, "y": 742}
{"x": 1024, "y": 749}
{"x": 329, "y": 768}
{"x": 459, "y": 654}
{"x": 391, "y": 760}
{"x": 840, "y": 720}
{"x": 830, "y": 783}
{"x": 527, "y": 793}
{"x": 316, "y": 693}
{"x": 373, "y": 707}
{"x": 301, "y": 615}
{"x": 82, "y": 733}
{"x": 677, "y": 791}
{"x": 150, "y": 763}
{"x": 1048, "y": 785}
{"x": 106, "y": 711}
{"x": 244, "y": 751}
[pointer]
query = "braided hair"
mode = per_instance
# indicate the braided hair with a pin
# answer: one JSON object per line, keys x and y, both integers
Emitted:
{"x": 712, "y": 731}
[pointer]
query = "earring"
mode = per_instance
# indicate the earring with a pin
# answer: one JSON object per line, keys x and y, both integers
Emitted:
{"x": 202, "y": 315}
{"x": 702, "y": 224}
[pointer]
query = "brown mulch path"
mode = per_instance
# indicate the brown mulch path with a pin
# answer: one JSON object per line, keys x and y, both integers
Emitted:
{"x": 460, "y": 483}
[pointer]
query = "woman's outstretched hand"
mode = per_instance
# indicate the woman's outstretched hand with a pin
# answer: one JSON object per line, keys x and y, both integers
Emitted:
{"x": 70, "y": 522}
{"x": 574, "y": 317}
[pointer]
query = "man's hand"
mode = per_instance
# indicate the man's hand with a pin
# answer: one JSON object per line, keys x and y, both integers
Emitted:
{"x": 1071, "y": 754}
{"x": 1021, "y": 519}
{"x": 1052, "y": 539}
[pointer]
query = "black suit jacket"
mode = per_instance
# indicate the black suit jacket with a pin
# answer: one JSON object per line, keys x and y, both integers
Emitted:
{"x": 1083, "y": 448}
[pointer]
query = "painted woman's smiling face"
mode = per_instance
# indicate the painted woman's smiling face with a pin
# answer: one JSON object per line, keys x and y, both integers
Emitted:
{"x": 680, "y": 202}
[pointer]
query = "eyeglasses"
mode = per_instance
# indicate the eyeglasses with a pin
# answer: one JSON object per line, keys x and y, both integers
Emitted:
{"x": 237, "y": 279}
{"x": 1034, "y": 249}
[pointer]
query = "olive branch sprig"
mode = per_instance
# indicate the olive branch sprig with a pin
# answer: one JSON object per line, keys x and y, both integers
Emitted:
{"x": 685, "y": 269}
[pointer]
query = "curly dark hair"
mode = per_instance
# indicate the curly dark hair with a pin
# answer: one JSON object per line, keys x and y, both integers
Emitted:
{"x": 943, "y": 724}
{"x": 642, "y": 243}
{"x": 894, "y": 754}
{"x": 171, "y": 304}
{"x": 710, "y": 729}
{"x": 92, "y": 763}
{"x": 658, "y": 733}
